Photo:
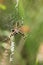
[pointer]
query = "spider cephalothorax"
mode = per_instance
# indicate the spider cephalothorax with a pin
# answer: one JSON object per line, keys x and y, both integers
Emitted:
{"x": 20, "y": 29}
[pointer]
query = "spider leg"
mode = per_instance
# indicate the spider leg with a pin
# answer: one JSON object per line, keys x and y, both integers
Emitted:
{"x": 21, "y": 33}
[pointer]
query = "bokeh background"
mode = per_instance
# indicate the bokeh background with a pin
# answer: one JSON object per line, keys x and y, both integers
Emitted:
{"x": 31, "y": 13}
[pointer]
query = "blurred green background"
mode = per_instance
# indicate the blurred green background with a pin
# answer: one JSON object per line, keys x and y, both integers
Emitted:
{"x": 32, "y": 13}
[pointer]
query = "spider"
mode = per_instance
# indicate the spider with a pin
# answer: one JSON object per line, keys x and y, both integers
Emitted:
{"x": 19, "y": 28}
